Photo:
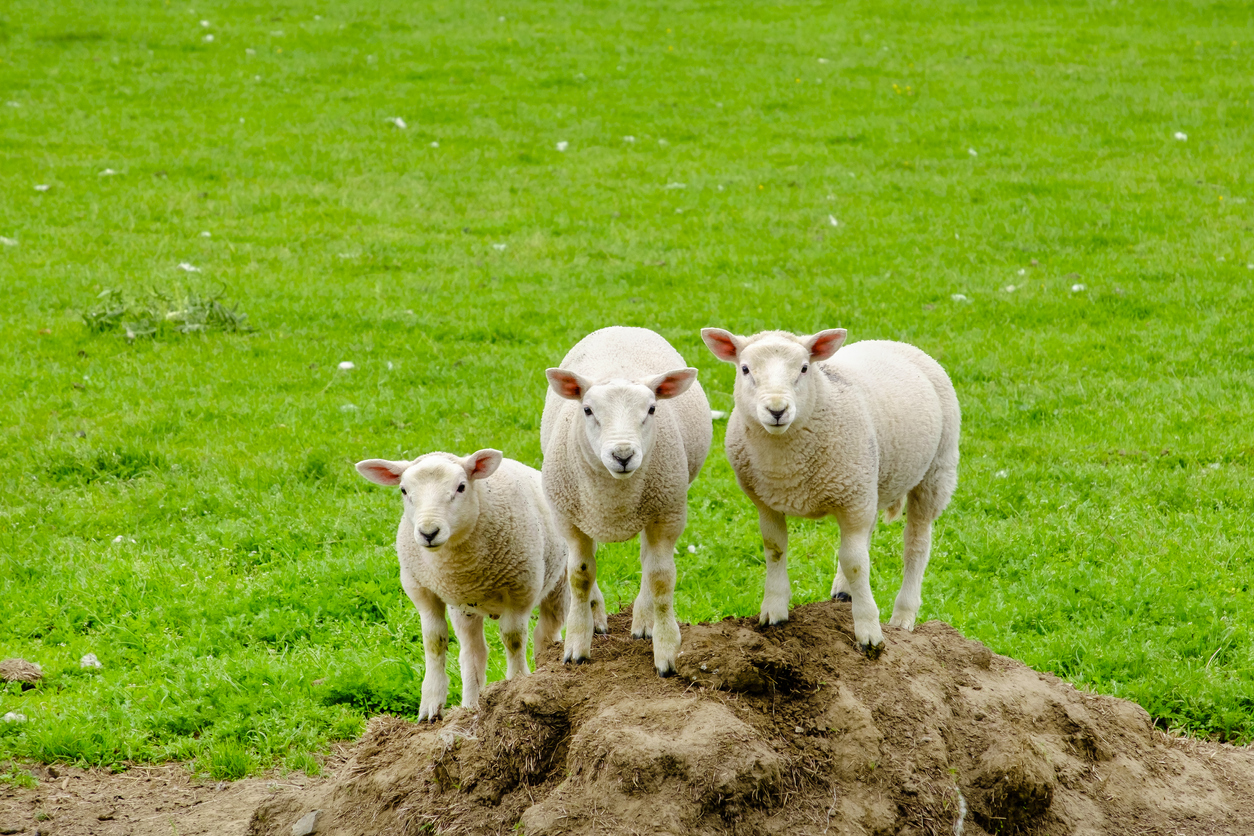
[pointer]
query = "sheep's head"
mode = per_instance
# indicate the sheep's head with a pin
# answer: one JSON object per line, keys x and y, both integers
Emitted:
{"x": 438, "y": 490}
{"x": 618, "y": 415}
{"x": 774, "y": 371}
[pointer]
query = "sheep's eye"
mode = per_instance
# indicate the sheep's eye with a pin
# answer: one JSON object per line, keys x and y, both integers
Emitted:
{"x": 461, "y": 488}
{"x": 587, "y": 410}
{"x": 652, "y": 408}
{"x": 404, "y": 492}
{"x": 805, "y": 367}
{"x": 744, "y": 369}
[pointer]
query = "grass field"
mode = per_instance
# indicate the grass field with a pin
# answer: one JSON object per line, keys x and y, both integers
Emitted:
{"x": 1053, "y": 199}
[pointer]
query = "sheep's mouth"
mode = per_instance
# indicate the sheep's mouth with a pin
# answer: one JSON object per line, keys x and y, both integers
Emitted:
{"x": 777, "y": 429}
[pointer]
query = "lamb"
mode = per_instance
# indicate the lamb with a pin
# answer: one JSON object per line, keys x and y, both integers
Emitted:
{"x": 476, "y": 535}
{"x": 848, "y": 436}
{"x": 625, "y": 431}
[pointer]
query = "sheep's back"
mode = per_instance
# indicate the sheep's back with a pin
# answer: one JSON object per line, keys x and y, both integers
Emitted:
{"x": 910, "y": 401}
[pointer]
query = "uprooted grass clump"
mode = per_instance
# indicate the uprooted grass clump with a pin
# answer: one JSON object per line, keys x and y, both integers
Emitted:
{"x": 156, "y": 313}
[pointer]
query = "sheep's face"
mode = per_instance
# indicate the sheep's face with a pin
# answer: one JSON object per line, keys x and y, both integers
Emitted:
{"x": 774, "y": 372}
{"x": 619, "y": 415}
{"x": 438, "y": 490}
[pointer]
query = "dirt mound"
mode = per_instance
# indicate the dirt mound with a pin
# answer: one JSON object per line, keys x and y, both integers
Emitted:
{"x": 782, "y": 730}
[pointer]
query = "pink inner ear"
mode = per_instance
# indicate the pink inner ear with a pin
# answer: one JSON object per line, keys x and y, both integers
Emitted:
{"x": 671, "y": 385}
{"x": 826, "y": 345}
{"x": 722, "y": 346}
{"x": 567, "y": 385}
{"x": 384, "y": 474}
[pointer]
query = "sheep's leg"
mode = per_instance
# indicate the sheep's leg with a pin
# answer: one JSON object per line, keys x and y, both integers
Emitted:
{"x": 552, "y": 616}
{"x": 854, "y": 557}
{"x": 774, "y": 527}
{"x": 435, "y": 648}
{"x": 918, "y": 547}
{"x": 600, "y": 618}
{"x": 473, "y": 655}
{"x": 642, "y": 609}
{"x": 514, "y": 637}
{"x": 840, "y": 587}
{"x": 657, "y": 564}
{"x": 581, "y": 571}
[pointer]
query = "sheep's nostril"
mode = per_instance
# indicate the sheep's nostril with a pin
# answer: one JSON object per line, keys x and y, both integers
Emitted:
{"x": 429, "y": 535}
{"x": 778, "y": 413}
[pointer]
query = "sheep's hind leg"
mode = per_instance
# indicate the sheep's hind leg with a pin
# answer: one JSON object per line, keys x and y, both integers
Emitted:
{"x": 855, "y": 563}
{"x": 918, "y": 548}
{"x": 581, "y": 570}
{"x": 553, "y": 609}
{"x": 642, "y": 609}
{"x": 473, "y": 655}
{"x": 840, "y": 587}
{"x": 774, "y": 528}
{"x": 600, "y": 618}
{"x": 514, "y": 637}
{"x": 657, "y": 563}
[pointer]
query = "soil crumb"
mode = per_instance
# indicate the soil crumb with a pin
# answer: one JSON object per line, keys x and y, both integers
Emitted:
{"x": 783, "y": 730}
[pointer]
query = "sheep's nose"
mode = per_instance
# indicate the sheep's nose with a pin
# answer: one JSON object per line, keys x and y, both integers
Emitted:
{"x": 429, "y": 533}
{"x": 623, "y": 454}
{"x": 778, "y": 413}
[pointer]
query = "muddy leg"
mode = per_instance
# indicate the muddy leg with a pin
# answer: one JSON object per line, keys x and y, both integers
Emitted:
{"x": 774, "y": 527}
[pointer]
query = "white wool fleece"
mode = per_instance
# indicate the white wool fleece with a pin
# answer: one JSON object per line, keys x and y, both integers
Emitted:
{"x": 626, "y": 429}
{"x": 822, "y": 430}
{"x": 476, "y": 536}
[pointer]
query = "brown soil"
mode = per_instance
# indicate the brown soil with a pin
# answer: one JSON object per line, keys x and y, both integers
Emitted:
{"x": 784, "y": 730}
{"x": 145, "y": 801}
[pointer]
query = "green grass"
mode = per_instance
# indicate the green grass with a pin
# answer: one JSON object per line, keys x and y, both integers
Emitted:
{"x": 251, "y": 612}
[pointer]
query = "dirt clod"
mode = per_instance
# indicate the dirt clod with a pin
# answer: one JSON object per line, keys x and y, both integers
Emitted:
{"x": 19, "y": 670}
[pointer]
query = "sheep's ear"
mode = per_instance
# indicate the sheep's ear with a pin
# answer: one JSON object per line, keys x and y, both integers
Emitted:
{"x": 725, "y": 345}
{"x": 670, "y": 384}
{"x": 382, "y": 471}
{"x": 824, "y": 344}
{"x": 483, "y": 464}
{"x": 567, "y": 384}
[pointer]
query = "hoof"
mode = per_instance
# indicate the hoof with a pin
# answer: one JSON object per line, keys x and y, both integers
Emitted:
{"x": 601, "y": 631}
{"x": 766, "y": 622}
{"x": 872, "y": 651}
{"x": 583, "y": 660}
{"x": 641, "y": 635}
{"x": 666, "y": 673}
{"x": 843, "y": 597}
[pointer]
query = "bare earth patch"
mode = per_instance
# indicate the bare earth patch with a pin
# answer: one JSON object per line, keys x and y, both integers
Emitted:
{"x": 782, "y": 730}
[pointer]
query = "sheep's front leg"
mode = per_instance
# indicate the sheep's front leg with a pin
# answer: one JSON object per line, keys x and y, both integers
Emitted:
{"x": 642, "y": 609}
{"x": 657, "y": 564}
{"x": 854, "y": 557}
{"x": 581, "y": 571}
{"x": 774, "y": 527}
{"x": 435, "y": 648}
{"x": 473, "y": 655}
{"x": 514, "y": 637}
{"x": 918, "y": 542}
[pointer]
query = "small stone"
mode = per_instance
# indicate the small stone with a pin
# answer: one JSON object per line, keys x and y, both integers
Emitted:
{"x": 90, "y": 661}
{"x": 307, "y": 825}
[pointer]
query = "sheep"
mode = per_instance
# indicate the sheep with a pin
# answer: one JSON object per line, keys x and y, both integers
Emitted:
{"x": 877, "y": 423}
{"x": 625, "y": 431}
{"x": 476, "y": 535}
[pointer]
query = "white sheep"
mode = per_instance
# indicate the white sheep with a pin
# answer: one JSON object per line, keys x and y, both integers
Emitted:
{"x": 476, "y": 535}
{"x": 625, "y": 430}
{"x": 847, "y": 437}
